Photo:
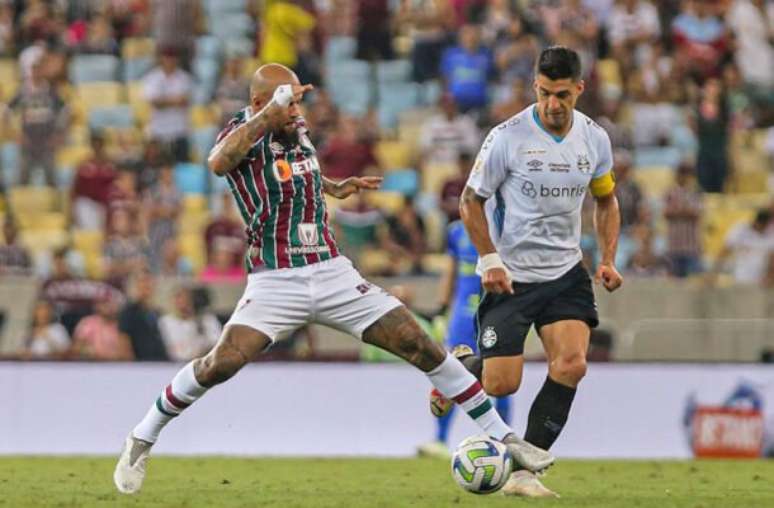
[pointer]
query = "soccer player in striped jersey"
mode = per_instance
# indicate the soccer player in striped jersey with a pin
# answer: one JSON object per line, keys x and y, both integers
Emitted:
{"x": 297, "y": 275}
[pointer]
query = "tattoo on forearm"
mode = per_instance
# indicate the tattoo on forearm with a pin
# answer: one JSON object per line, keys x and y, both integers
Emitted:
{"x": 233, "y": 148}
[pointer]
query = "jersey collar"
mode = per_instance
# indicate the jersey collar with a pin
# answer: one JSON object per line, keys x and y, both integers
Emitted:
{"x": 558, "y": 139}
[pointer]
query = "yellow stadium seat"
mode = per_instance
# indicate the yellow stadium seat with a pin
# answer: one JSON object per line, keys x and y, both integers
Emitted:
{"x": 88, "y": 241}
{"x": 609, "y": 72}
{"x": 434, "y": 176}
{"x": 192, "y": 246}
{"x": 73, "y": 155}
{"x": 94, "y": 264}
{"x": 249, "y": 66}
{"x": 202, "y": 116}
{"x": 393, "y": 154}
{"x": 195, "y": 203}
{"x": 29, "y": 200}
{"x": 194, "y": 222}
{"x": 42, "y": 221}
{"x": 141, "y": 107}
{"x": 749, "y": 182}
{"x": 717, "y": 224}
{"x": 435, "y": 263}
{"x": 435, "y": 232}
{"x": 43, "y": 240}
{"x": 655, "y": 181}
{"x": 388, "y": 202}
{"x": 135, "y": 47}
{"x": 9, "y": 70}
{"x": 374, "y": 261}
{"x": 100, "y": 94}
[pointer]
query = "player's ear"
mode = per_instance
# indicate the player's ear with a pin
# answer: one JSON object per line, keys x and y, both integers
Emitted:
{"x": 581, "y": 86}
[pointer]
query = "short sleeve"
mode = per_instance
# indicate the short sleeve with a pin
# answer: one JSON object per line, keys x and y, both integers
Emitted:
{"x": 491, "y": 165}
{"x": 602, "y": 181}
{"x": 230, "y": 126}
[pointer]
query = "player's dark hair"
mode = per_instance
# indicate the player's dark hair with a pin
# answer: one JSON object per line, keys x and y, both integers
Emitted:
{"x": 559, "y": 62}
{"x": 762, "y": 217}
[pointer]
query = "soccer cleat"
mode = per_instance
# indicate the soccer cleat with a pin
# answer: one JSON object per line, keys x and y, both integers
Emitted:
{"x": 434, "y": 449}
{"x": 527, "y": 455}
{"x": 130, "y": 470}
{"x": 526, "y": 484}
{"x": 440, "y": 405}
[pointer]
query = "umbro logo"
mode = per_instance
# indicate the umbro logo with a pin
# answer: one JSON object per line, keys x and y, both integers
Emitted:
{"x": 535, "y": 165}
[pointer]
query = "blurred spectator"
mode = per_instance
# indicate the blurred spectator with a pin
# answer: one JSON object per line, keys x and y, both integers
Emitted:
{"x": 97, "y": 337}
{"x": 232, "y": 94}
{"x": 610, "y": 119}
{"x": 47, "y": 338}
{"x": 189, "y": 331}
{"x": 467, "y": 68}
{"x": 740, "y": 110}
{"x": 122, "y": 196}
{"x": 453, "y": 187}
{"x": 427, "y": 22}
{"x": 404, "y": 238}
{"x": 176, "y": 23}
{"x": 309, "y": 68}
{"x": 653, "y": 117}
{"x": 173, "y": 263}
{"x": 43, "y": 119}
{"x": 682, "y": 211}
{"x": 752, "y": 249}
{"x": 138, "y": 321}
{"x": 125, "y": 252}
{"x": 168, "y": 88}
{"x": 632, "y": 27}
{"x": 699, "y": 38}
{"x": 7, "y": 36}
{"x": 374, "y": 30}
{"x": 752, "y": 23}
{"x": 14, "y": 258}
{"x": 163, "y": 205}
{"x": 628, "y": 192}
{"x": 73, "y": 297}
{"x": 447, "y": 134}
{"x": 515, "y": 52}
{"x": 356, "y": 223}
{"x": 571, "y": 23}
{"x": 154, "y": 156}
{"x": 516, "y": 100}
{"x": 323, "y": 117}
{"x": 226, "y": 227}
{"x": 89, "y": 193}
{"x": 100, "y": 37}
{"x": 711, "y": 124}
{"x": 284, "y": 22}
{"x": 37, "y": 21}
{"x": 644, "y": 262}
{"x": 220, "y": 267}
{"x": 346, "y": 153}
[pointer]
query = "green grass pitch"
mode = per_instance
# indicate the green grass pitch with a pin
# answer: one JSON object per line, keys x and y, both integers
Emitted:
{"x": 217, "y": 482}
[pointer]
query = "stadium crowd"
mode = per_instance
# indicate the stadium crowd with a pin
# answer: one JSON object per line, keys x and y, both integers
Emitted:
{"x": 110, "y": 107}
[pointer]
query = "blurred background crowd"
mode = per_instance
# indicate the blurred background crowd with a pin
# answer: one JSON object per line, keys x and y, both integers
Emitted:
{"x": 109, "y": 109}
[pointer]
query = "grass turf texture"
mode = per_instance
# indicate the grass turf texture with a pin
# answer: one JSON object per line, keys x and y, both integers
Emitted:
{"x": 212, "y": 481}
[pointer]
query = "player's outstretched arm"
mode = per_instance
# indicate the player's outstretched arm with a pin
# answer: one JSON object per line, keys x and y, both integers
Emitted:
{"x": 230, "y": 150}
{"x": 607, "y": 221}
{"x": 496, "y": 278}
{"x": 351, "y": 185}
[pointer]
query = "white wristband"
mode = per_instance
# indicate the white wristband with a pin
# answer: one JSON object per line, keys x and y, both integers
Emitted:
{"x": 283, "y": 95}
{"x": 490, "y": 261}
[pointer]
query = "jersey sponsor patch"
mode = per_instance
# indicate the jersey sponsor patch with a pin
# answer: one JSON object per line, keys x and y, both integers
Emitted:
{"x": 307, "y": 233}
{"x": 489, "y": 337}
{"x": 307, "y": 249}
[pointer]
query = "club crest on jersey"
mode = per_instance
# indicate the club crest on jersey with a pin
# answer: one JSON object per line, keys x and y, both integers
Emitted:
{"x": 282, "y": 170}
{"x": 489, "y": 337}
{"x": 584, "y": 166}
{"x": 307, "y": 233}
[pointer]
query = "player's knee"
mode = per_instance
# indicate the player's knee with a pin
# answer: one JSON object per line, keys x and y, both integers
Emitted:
{"x": 569, "y": 370}
{"x": 501, "y": 385}
{"x": 218, "y": 366}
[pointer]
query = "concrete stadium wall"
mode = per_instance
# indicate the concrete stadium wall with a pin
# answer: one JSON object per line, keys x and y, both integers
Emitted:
{"x": 652, "y": 319}
{"x": 622, "y": 410}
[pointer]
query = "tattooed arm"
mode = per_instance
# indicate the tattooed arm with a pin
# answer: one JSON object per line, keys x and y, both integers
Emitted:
{"x": 351, "y": 185}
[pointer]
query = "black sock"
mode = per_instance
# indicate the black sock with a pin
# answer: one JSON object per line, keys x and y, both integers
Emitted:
{"x": 474, "y": 364}
{"x": 548, "y": 413}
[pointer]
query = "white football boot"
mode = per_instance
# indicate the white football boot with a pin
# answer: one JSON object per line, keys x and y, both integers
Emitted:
{"x": 527, "y": 455}
{"x": 434, "y": 449}
{"x": 526, "y": 484}
{"x": 130, "y": 470}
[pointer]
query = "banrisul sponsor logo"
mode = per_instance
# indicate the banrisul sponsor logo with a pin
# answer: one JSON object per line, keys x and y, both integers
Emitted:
{"x": 562, "y": 191}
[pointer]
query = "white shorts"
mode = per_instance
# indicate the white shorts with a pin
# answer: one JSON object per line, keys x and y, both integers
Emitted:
{"x": 331, "y": 293}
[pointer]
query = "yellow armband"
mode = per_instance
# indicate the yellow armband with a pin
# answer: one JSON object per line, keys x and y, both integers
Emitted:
{"x": 603, "y": 185}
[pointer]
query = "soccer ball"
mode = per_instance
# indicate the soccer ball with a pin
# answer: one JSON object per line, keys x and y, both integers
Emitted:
{"x": 481, "y": 465}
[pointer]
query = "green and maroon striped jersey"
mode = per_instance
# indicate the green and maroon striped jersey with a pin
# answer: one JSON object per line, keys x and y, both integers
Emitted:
{"x": 278, "y": 189}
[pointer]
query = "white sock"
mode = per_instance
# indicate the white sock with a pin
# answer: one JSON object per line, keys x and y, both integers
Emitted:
{"x": 178, "y": 395}
{"x": 453, "y": 380}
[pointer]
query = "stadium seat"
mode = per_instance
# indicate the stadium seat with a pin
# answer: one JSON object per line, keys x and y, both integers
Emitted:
{"x": 192, "y": 247}
{"x": 225, "y": 6}
{"x": 191, "y": 178}
{"x": 435, "y": 263}
{"x": 138, "y": 47}
{"x": 227, "y": 25}
{"x": 609, "y": 72}
{"x": 194, "y": 222}
{"x": 388, "y": 202}
{"x": 404, "y": 181}
{"x": 32, "y": 200}
{"x": 194, "y": 203}
{"x": 434, "y": 176}
{"x": 395, "y": 98}
{"x": 10, "y": 159}
{"x": 72, "y": 155}
{"x": 120, "y": 116}
{"x": 140, "y": 106}
{"x": 136, "y": 68}
{"x": 393, "y": 154}
{"x": 201, "y": 141}
{"x": 206, "y": 70}
{"x": 435, "y": 230}
{"x": 393, "y": 71}
{"x": 84, "y": 68}
{"x": 87, "y": 240}
{"x": 340, "y": 48}
{"x": 39, "y": 241}
{"x": 351, "y": 97}
{"x": 430, "y": 93}
{"x": 208, "y": 46}
{"x": 9, "y": 70}
{"x": 202, "y": 116}
{"x": 655, "y": 180}
{"x": 716, "y": 225}
{"x": 241, "y": 46}
{"x": 100, "y": 93}
{"x": 42, "y": 221}
{"x": 658, "y": 156}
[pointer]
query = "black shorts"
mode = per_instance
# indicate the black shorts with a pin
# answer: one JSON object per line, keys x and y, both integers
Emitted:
{"x": 503, "y": 320}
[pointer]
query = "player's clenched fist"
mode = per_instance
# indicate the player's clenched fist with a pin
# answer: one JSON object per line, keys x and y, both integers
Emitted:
{"x": 608, "y": 276}
{"x": 285, "y": 94}
{"x": 496, "y": 278}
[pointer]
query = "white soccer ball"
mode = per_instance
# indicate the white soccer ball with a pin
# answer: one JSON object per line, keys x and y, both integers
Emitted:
{"x": 481, "y": 465}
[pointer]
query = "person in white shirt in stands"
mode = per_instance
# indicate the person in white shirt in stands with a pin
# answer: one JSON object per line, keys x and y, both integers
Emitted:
{"x": 445, "y": 135}
{"x": 752, "y": 248}
{"x": 168, "y": 88}
{"x": 189, "y": 331}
